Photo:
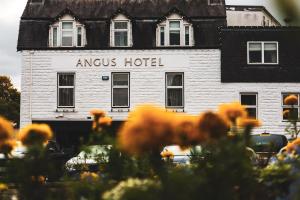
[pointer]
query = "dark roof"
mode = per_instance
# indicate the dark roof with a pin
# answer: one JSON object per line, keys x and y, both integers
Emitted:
{"x": 234, "y": 66}
{"x": 96, "y": 15}
{"x": 103, "y": 9}
{"x": 251, "y": 8}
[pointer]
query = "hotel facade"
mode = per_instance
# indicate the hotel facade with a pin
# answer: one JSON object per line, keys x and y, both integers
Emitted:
{"x": 180, "y": 55}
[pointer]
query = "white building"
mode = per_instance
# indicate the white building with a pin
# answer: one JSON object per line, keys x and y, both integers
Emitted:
{"x": 122, "y": 55}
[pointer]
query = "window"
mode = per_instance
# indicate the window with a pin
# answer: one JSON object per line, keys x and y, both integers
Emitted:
{"x": 214, "y": 2}
{"x": 121, "y": 32}
{"x": 67, "y": 33}
{"x": 120, "y": 90}
{"x": 262, "y": 52}
{"x": 249, "y": 100}
{"x": 293, "y": 110}
{"x": 174, "y": 31}
{"x": 66, "y": 90}
{"x": 174, "y": 90}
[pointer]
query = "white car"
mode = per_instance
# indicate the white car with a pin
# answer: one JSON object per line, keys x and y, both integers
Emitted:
{"x": 89, "y": 159}
{"x": 181, "y": 156}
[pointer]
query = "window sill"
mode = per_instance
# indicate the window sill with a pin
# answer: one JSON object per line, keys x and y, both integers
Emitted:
{"x": 175, "y": 110}
{"x": 120, "y": 110}
{"x": 65, "y": 110}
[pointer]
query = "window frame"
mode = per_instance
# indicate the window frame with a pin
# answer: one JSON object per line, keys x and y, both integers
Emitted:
{"x": 250, "y": 106}
{"x": 262, "y": 52}
{"x": 67, "y": 30}
{"x": 174, "y": 87}
{"x": 120, "y": 87}
{"x": 113, "y": 30}
{"x": 62, "y": 87}
{"x": 289, "y": 106}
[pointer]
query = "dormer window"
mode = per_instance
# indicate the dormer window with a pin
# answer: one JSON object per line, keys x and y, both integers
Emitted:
{"x": 175, "y": 31}
{"x": 121, "y": 34}
{"x": 67, "y": 32}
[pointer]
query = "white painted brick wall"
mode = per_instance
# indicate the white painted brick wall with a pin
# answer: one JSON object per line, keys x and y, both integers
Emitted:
{"x": 203, "y": 87}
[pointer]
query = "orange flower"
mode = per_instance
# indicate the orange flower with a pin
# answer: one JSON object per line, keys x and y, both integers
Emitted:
{"x": 89, "y": 176}
{"x": 232, "y": 111}
{"x": 167, "y": 154}
{"x": 147, "y": 128}
{"x": 105, "y": 121}
{"x": 38, "y": 179}
{"x": 97, "y": 113}
{"x": 212, "y": 126}
{"x": 286, "y": 113}
{"x": 291, "y": 100}
{"x": 35, "y": 134}
{"x": 248, "y": 122}
{"x": 6, "y": 129}
{"x": 7, "y": 146}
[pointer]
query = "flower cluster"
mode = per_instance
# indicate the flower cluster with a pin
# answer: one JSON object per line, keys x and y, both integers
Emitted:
{"x": 35, "y": 134}
{"x": 89, "y": 177}
{"x": 7, "y": 143}
{"x": 293, "y": 146}
{"x": 291, "y": 100}
{"x": 150, "y": 128}
{"x": 133, "y": 184}
{"x": 100, "y": 119}
{"x": 167, "y": 154}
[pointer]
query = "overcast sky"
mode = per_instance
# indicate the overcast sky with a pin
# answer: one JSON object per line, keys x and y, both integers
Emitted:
{"x": 10, "y": 13}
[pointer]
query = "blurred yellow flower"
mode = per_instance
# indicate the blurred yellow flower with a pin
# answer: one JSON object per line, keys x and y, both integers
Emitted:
{"x": 35, "y": 134}
{"x": 97, "y": 113}
{"x": 147, "y": 128}
{"x": 248, "y": 122}
{"x": 7, "y": 146}
{"x": 212, "y": 126}
{"x": 232, "y": 111}
{"x": 6, "y": 129}
{"x": 167, "y": 154}
{"x": 3, "y": 187}
{"x": 89, "y": 176}
{"x": 291, "y": 100}
{"x": 105, "y": 121}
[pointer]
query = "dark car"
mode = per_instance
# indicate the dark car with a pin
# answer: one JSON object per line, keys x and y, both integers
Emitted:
{"x": 267, "y": 145}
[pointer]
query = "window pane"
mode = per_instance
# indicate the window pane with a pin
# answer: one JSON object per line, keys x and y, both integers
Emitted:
{"x": 79, "y": 36}
{"x": 174, "y": 37}
{"x": 162, "y": 36}
{"x": 120, "y": 97}
{"x": 270, "y": 53}
{"x": 255, "y": 50}
{"x": 174, "y": 25}
{"x": 67, "y": 25}
{"x": 55, "y": 37}
{"x": 66, "y": 97}
{"x": 66, "y": 80}
{"x": 251, "y": 112}
{"x": 248, "y": 99}
{"x": 174, "y": 97}
{"x": 121, "y": 39}
{"x": 120, "y": 79}
{"x": 174, "y": 79}
{"x": 187, "y": 35}
{"x": 121, "y": 25}
{"x": 290, "y": 113}
{"x": 286, "y": 95}
{"x": 67, "y": 38}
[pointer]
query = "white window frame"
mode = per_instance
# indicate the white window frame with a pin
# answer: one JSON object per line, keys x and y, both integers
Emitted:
{"x": 58, "y": 25}
{"x": 113, "y": 30}
{"x": 174, "y": 87}
{"x": 120, "y": 87}
{"x": 250, "y": 106}
{"x": 65, "y": 87}
{"x": 289, "y": 106}
{"x": 166, "y": 25}
{"x": 213, "y": 4}
{"x": 262, "y": 52}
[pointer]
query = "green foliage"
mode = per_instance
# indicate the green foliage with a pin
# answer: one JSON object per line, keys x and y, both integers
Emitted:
{"x": 9, "y": 100}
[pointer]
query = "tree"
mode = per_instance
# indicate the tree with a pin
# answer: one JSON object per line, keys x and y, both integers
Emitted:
{"x": 9, "y": 100}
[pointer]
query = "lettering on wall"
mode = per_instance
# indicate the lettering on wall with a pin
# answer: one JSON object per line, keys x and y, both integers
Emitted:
{"x": 114, "y": 62}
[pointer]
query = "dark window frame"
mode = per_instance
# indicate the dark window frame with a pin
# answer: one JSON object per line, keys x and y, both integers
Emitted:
{"x": 166, "y": 91}
{"x": 112, "y": 89}
{"x": 58, "y": 87}
{"x": 250, "y": 106}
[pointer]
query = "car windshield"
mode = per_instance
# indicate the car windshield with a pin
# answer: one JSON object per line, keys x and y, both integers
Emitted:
{"x": 268, "y": 142}
{"x": 93, "y": 152}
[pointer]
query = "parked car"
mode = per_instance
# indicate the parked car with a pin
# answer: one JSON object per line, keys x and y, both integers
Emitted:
{"x": 89, "y": 159}
{"x": 267, "y": 145}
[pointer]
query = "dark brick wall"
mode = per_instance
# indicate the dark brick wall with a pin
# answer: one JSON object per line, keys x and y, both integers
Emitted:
{"x": 234, "y": 67}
